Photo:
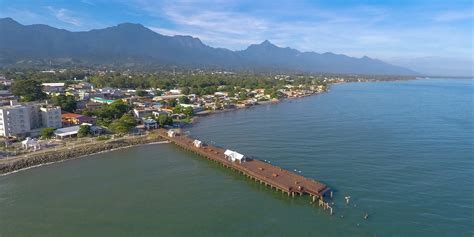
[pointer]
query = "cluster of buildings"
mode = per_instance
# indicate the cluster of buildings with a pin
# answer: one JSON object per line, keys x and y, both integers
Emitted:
{"x": 27, "y": 119}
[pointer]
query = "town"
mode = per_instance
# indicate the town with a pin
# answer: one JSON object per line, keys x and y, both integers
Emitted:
{"x": 41, "y": 107}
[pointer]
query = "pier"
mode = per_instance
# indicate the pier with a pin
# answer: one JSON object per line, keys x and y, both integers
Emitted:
{"x": 270, "y": 175}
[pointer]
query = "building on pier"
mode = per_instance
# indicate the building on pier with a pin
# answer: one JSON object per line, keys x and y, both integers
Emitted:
{"x": 171, "y": 133}
{"x": 234, "y": 156}
{"x": 197, "y": 143}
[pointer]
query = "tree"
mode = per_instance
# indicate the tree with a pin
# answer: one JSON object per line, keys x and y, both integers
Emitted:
{"x": 164, "y": 119}
{"x": 66, "y": 102}
{"x": 243, "y": 96}
{"x": 141, "y": 93}
{"x": 188, "y": 111}
{"x": 107, "y": 113}
{"x": 124, "y": 124}
{"x": 186, "y": 90}
{"x": 119, "y": 107}
{"x": 172, "y": 103}
{"x": 28, "y": 90}
{"x": 184, "y": 100}
{"x": 84, "y": 131}
{"x": 47, "y": 133}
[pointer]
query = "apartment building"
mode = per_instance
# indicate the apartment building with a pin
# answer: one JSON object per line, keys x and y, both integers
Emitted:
{"x": 28, "y": 118}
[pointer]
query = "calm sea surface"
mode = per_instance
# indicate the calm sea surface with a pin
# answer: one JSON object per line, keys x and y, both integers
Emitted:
{"x": 403, "y": 151}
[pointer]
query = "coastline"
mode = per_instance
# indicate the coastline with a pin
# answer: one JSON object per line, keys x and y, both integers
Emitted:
{"x": 24, "y": 162}
{"x": 37, "y": 159}
{"x": 16, "y": 164}
{"x": 278, "y": 101}
{"x": 270, "y": 102}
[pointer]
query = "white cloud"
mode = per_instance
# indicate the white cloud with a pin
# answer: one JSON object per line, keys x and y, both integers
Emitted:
{"x": 64, "y": 15}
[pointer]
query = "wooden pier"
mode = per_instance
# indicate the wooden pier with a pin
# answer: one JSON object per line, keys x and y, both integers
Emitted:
{"x": 260, "y": 171}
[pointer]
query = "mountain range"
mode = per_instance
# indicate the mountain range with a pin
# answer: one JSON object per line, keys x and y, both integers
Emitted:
{"x": 133, "y": 44}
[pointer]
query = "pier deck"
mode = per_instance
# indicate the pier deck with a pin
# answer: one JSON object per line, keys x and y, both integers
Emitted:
{"x": 265, "y": 173}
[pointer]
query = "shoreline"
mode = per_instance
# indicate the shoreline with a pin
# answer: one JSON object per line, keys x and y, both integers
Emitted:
{"x": 275, "y": 102}
{"x": 82, "y": 156}
{"x": 12, "y": 165}
{"x": 47, "y": 157}
{"x": 284, "y": 99}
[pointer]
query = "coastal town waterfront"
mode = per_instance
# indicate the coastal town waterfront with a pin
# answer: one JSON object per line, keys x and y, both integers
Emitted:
{"x": 37, "y": 115}
{"x": 383, "y": 144}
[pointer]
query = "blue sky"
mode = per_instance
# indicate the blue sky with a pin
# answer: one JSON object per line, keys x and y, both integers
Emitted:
{"x": 432, "y": 36}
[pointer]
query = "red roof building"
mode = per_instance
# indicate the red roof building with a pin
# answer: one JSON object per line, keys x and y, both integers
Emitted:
{"x": 69, "y": 119}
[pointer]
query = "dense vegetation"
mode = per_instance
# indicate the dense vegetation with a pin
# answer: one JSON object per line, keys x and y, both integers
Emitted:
{"x": 28, "y": 90}
{"x": 66, "y": 102}
{"x": 108, "y": 113}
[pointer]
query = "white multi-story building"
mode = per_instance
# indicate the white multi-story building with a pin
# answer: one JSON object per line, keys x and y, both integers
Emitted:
{"x": 14, "y": 120}
{"x": 28, "y": 118}
{"x": 51, "y": 116}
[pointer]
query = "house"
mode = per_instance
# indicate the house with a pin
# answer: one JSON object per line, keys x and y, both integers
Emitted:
{"x": 178, "y": 116}
{"x": 159, "y": 112}
{"x": 196, "y": 108}
{"x": 84, "y": 86}
{"x": 141, "y": 113}
{"x": 55, "y": 87}
{"x": 5, "y": 97}
{"x": 93, "y": 105}
{"x": 5, "y": 82}
{"x": 197, "y": 143}
{"x": 96, "y": 130}
{"x": 112, "y": 92}
{"x": 68, "y": 119}
{"x": 167, "y": 97}
{"x": 175, "y": 92}
{"x": 150, "y": 123}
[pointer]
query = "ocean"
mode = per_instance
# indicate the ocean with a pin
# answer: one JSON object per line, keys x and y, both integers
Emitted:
{"x": 403, "y": 152}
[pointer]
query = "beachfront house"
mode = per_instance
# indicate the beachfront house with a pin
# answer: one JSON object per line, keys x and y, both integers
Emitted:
{"x": 234, "y": 156}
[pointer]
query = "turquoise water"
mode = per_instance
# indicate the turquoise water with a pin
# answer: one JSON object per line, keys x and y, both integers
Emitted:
{"x": 403, "y": 151}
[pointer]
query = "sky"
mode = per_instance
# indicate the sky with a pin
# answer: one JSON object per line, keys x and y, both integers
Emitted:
{"x": 432, "y": 37}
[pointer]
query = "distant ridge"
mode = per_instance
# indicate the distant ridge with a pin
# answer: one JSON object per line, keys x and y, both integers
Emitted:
{"x": 133, "y": 44}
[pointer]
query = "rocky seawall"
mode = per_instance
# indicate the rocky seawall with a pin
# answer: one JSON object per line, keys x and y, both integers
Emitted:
{"x": 51, "y": 156}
